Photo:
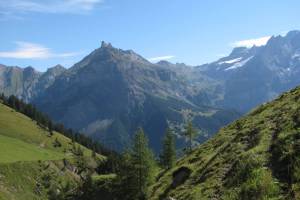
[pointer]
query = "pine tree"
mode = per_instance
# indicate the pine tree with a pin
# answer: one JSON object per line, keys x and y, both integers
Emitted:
{"x": 127, "y": 189}
{"x": 2, "y": 96}
{"x": 139, "y": 168}
{"x": 190, "y": 133}
{"x": 50, "y": 127}
{"x": 168, "y": 156}
{"x": 143, "y": 162}
{"x": 93, "y": 153}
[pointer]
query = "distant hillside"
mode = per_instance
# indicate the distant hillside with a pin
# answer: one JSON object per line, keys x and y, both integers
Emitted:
{"x": 32, "y": 161}
{"x": 257, "y": 157}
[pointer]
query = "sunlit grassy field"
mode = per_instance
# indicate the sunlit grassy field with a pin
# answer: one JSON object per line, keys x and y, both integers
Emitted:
{"x": 13, "y": 150}
{"x": 22, "y": 140}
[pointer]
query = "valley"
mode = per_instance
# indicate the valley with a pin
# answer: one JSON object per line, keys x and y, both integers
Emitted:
{"x": 149, "y": 100}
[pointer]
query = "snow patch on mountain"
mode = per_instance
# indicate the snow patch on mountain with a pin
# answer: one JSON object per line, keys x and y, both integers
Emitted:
{"x": 239, "y": 64}
{"x": 230, "y": 61}
{"x": 296, "y": 55}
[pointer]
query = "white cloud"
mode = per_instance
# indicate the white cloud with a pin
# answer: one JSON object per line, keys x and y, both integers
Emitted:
{"x": 251, "y": 42}
{"x": 27, "y": 50}
{"x": 15, "y": 7}
{"x": 159, "y": 58}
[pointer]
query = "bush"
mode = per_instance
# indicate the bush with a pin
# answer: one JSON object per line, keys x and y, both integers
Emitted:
{"x": 242, "y": 170}
{"x": 259, "y": 186}
{"x": 56, "y": 143}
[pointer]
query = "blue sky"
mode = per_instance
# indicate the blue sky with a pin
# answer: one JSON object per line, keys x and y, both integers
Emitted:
{"x": 49, "y": 32}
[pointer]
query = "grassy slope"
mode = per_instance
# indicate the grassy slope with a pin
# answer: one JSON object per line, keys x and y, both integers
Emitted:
{"x": 26, "y": 152}
{"x": 256, "y": 157}
{"x": 19, "y": 126}
{"x": 13, "y": 150}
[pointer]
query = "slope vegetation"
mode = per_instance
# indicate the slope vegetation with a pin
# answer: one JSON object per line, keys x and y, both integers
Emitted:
{"x": 256, "y": 157}
{"x": 30, "y": 158}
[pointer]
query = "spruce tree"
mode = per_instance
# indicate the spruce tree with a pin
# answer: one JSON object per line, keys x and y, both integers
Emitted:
{"x": 168, "y": 156}
{"x": 190, "y": 133}
{"x": 93, "y": 153}
{"x": 50, "y": 127}
{"x": 2, "y": 96}
{"x": 143, "y": 163}
{"x": 127, "y": 178}
{"x": 139, "y": 165}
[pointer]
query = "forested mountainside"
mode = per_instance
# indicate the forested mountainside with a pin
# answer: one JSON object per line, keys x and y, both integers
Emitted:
{"x": 255, "y": 157}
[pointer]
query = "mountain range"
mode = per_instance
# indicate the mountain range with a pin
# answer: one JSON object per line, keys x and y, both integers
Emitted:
{"x": 251, "y": 76}
{"x": 111, "y": 92}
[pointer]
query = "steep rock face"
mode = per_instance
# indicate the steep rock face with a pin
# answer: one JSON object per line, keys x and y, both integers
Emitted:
{"x": 18, "y": 81}
{"x": 26, "y": 83}
{"x": 47, "y": 79}
{"x": 111, "y": 92}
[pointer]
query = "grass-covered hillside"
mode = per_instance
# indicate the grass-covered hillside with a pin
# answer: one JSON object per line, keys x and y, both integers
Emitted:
{"x": 32, "y": 160}
{"x": 256, "y": 157}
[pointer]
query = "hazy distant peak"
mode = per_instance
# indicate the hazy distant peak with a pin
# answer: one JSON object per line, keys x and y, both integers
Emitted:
{"x": 58, "y": 66}
{"x": 30, "y": 70}
{"x": 164, "y": 63}
{"x": 238, "y": 51}
{"x": 293, "y": 33}
{"x": 56, "y": 69}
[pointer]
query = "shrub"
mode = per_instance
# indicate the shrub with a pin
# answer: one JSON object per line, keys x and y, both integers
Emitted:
{"x": 259, "y": 186}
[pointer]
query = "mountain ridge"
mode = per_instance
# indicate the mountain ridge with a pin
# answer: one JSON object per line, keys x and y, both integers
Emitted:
{"x": 132, "y": 85}
{"x": 115, "y": 90}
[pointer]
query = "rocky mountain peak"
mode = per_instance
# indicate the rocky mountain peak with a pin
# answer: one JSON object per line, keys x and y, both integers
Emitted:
{"x": 164, "y": 63}
{"x": 56, "y": 68}
{"x": 29, "y": 68}
{"x": 30, "y": 71}
{"x": 2, "y": 65}
{"x": 292, "y": 34}
{"x": 238, "y": 50}
{"x": 106, "y": 45}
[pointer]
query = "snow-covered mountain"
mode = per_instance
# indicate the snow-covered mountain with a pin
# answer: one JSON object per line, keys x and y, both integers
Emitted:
{"x": 251, "y": 76}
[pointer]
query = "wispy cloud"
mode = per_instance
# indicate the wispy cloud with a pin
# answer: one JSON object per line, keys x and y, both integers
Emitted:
{"x": 159, "y": 58}
{"x": 27, "y": 50}
{"x": 251, "y": 42}
{"x": 19, "y": 7}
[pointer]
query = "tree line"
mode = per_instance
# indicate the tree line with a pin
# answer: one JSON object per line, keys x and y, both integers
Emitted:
{"x": 44, "y": 121}
{"x": 136, "y": 168}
